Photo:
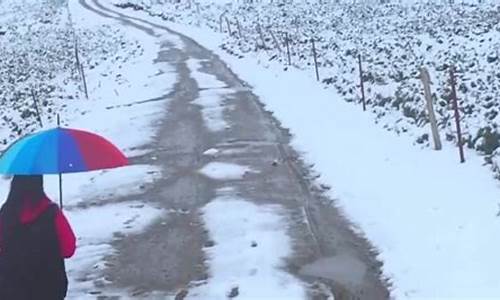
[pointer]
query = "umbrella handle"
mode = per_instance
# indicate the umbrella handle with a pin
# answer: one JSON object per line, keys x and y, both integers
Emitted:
{"x": 60, "y": 191}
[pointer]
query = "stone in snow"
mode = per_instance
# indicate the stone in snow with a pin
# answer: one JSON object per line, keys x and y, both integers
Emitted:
{"x": 234, "y": 292}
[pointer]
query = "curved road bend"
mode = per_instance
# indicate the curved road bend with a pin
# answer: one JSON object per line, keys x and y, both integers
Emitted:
{"x": 168, "y": 257}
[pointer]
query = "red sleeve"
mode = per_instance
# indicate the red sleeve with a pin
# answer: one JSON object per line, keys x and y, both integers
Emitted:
{"x": 67, "y": 239}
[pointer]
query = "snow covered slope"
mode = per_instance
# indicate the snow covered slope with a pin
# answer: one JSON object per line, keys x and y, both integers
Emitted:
{"x": 37, "y": 53}
{"x": 394, "y": 39}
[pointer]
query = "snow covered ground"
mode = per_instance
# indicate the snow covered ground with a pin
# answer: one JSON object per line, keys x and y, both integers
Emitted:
{"x": 119, "y": 102}
{"x": 250, "y": 245}
{"x": 211, "y": 96}
{"x": 250, "y": 272}
{"x": 127, "y": 97}
{"x": 432, "y": 219}
{"x": 121, "y": 76}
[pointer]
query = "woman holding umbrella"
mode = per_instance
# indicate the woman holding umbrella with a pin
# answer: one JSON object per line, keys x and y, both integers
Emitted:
{"x": 35, "y": 238}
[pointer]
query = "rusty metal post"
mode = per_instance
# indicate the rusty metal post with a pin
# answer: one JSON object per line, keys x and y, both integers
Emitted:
{"x": 362, "y": 84}
{"x": 275, "y": 40}
{"x": 288, "y": 49}
{"x": 454, "y": 98}
{"x": 315, "y": 59}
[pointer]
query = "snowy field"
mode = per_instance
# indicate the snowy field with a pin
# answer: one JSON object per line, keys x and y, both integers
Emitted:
{"x": 432, "y": 219}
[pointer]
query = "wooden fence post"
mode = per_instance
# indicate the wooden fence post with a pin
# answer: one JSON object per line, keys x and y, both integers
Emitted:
{"x": 315, "y": 59}
{"x": 362, "y": 84}
{"x": 457, "y": 115}
{"x": 79, "y": 67}
{"x": 259, "y": 30}
{"x": 35, "y": 101}
{"x": 220, "y": 22}
{"x": 288, "y": 49}
{"x": 228, "y": 26}
{"x": 82, "y": 71}
{"x": 198, "y": 14}
{"x": 77, "y": 56}
{"x": 426, "y": 81}
{"x": 238, "y": 25}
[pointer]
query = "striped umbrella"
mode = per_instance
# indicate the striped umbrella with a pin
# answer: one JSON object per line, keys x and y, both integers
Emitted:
{"x": 60, "y": 150}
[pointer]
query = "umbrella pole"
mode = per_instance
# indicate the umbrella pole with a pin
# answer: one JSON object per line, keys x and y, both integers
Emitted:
{"x": 60, "y": 191}
{"x": 60, "y": 174}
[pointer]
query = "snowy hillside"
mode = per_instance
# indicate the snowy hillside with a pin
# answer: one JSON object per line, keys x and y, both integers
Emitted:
{"x": 395, "y": 41}
{"x": 37, "y": 54}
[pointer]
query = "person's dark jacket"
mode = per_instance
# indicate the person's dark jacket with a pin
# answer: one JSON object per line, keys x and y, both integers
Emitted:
{"x": 32, "y": 254}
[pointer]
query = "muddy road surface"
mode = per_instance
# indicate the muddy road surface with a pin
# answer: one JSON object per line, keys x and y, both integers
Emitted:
{"x": 168, "y": 258}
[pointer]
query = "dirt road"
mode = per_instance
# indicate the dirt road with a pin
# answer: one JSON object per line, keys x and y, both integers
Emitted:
{"x": 168, "y": 257}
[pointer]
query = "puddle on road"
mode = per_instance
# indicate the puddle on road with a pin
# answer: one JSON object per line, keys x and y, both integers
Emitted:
{"x": 343, "y": 269}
